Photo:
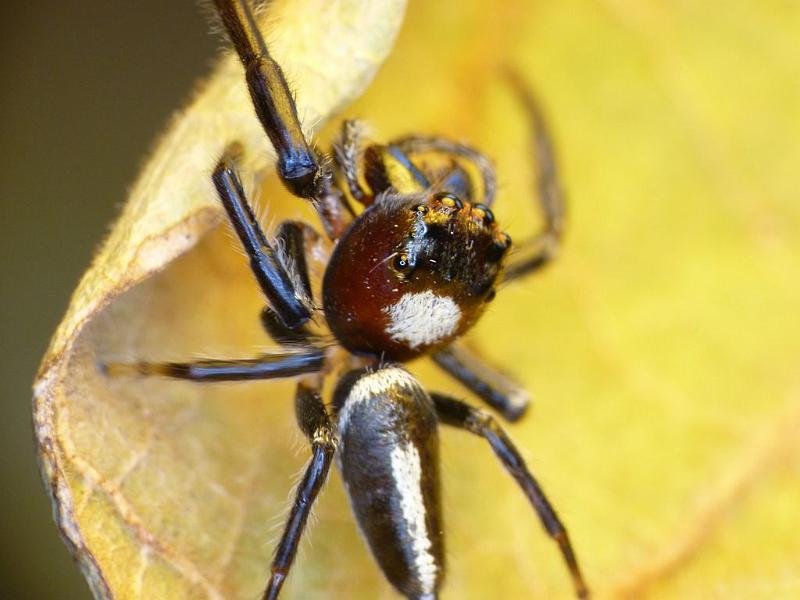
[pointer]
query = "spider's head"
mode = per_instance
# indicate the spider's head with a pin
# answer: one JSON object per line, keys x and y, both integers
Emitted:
{"x": 412, "y": 274}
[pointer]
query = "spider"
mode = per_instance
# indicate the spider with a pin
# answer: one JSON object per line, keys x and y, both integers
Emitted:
{"x": 407, "y": 276}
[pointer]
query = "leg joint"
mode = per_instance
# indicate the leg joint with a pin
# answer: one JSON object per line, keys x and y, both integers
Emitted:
{"x": 325, "y": 439}
{"x": 481, "y": 422}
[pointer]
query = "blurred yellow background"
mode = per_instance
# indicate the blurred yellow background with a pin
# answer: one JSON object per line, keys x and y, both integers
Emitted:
{"x": 662, "y": 349}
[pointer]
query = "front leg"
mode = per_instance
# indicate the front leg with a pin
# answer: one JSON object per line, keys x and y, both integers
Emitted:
{"x": 304, "y": 173}
{"x": 459, "y": 414}
{"x": 315, "y": 423}
{"x": 297, "y": 166}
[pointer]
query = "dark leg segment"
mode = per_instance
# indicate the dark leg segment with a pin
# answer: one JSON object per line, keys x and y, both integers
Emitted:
{"x": 271, "y": 275}
{"x": 274, "y": 105}
{"x": 490, "y": 385}
{"x": 316, "y": 425}
{"x": 419, "y": 144}
{"x": 388, "y": 167}
{"x": 534, "y": 253}
{"x": 290, "y": 241}
{"x": 275, "y": 328}
{"x": 269, "y": 366}
{"x": 301, "y": 170}
{"x": 459, "y": 414}
{"x": 457, "y": 181}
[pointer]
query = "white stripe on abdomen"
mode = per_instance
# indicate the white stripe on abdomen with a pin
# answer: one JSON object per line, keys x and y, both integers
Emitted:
{"x": 407, "y": 474}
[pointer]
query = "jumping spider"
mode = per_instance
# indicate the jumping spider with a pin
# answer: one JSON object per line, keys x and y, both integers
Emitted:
{"x": 406, "y": 278}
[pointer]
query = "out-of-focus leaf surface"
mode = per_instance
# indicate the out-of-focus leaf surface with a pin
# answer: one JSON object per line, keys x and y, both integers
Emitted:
{"x": 662, "y": 348}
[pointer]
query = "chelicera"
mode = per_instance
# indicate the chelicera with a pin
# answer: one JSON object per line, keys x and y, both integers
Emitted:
{"x": 406, "y": 277}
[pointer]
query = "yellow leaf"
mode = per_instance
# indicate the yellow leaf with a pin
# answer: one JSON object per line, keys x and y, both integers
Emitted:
{"x": 662, "y": 348}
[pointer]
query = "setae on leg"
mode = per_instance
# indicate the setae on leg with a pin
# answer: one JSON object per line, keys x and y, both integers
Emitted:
{"x": 284, "y": 298}
{"x": 315, "y": 423}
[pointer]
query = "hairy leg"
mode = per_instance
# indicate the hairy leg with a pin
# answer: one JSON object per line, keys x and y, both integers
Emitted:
{"x": 315, "y": 423}
{"x": 270, "y": 274}
{"x": 304, "y": 173}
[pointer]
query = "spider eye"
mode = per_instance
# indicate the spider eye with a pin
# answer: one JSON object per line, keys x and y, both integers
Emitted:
{"x": 449, "y": 200}
{"x": 488, "y": 216}
{"x": 401, "y": 263}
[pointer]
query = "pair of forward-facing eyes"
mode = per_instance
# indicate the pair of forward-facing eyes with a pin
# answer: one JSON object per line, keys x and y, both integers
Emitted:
{"x": 403, "y": 264}
{"x": 403, "y": 268}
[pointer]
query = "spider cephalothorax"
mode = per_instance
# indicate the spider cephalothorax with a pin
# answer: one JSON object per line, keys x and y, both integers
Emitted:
{"x": 406, "y": 277}
{"x": 412, "y": 273}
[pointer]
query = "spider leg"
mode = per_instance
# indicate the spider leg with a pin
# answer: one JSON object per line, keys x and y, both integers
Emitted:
{"x": 347, "y": 154}
{"x": 491, "y": 385}
{"x": 536, "y": 252}
{"x": 282, "y": 273}
{"x": 274, "y": 105}
{"x": 316, "y": 425}
{"x": 276, "y": 283}
{"x": 267, "y": 366}
{"x": 387, "y": 166}
{"x": 284, "y": 335}
{"x": 419, "y": 144}
{"x": 457, "y": 181}
{"x": 459, "y": 414}
{"x": 291, "y": 239}
{"x": 302, "y": 172}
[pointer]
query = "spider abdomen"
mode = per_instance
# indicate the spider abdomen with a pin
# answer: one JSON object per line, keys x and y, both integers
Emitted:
{"x": 389, "y": 458}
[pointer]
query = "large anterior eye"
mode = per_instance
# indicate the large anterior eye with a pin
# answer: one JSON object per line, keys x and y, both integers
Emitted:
{"x": 401, "y": 263}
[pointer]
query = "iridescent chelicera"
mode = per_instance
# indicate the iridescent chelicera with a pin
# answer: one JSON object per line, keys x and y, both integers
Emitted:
{"x": 406, "y": 276}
